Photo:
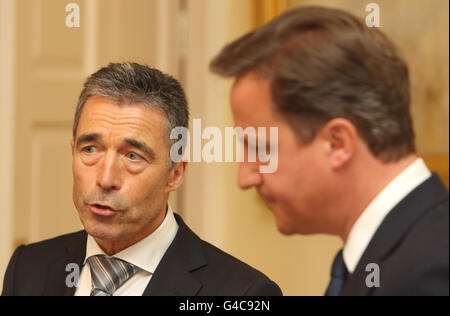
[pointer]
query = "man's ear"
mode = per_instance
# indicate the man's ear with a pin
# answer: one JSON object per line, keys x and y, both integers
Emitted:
{"x": 176, "y": 176}
{"x": 341, "y": 137}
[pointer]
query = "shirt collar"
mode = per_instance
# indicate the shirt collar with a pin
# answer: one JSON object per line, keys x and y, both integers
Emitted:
{"x": 371, "y": 218}
{"x": 147, "y": 253}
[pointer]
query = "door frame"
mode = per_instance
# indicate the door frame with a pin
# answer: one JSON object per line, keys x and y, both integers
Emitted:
{"x": 7, "y": 101}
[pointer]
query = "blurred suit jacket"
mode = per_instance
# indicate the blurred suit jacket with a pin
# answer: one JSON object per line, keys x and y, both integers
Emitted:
{"x": 190, "y": 267}
{"x": 411, "y": 247}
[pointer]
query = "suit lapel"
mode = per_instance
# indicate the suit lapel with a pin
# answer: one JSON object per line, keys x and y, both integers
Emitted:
{"x": 172, "y": 276}
{"x": 393, "y": 229}
{"x": 172, "y": 280}
{"x": 74, "y": 252}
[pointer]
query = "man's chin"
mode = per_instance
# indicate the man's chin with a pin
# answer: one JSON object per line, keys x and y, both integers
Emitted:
{"x": 103, "y": 235}
{"x": 285, "y": 229}
{"x": 285, "y": 224}
{"x": 102, "y": 231}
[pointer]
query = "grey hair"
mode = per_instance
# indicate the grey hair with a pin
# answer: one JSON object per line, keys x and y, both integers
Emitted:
{"x": 137, "y": 84}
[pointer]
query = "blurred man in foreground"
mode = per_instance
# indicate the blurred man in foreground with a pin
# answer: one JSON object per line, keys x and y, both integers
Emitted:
{"x": 339, "y": 93}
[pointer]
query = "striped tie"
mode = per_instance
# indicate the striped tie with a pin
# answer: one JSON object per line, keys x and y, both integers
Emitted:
{"x": 108, "y": 274}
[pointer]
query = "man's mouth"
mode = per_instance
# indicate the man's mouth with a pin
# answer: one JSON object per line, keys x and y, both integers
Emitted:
{"x": 102, "y": 209}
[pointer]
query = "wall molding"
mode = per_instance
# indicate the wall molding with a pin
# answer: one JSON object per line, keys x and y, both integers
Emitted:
{"x": 7, "y": 99}
{"x": 91, "y": 37}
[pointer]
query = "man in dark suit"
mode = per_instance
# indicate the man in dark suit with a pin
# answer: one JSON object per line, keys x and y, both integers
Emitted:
{"x": 189, "y": 267}
{"x": 339, "y": 93}
{"x": 410, "y": 247}
{"x": 133, "y": 243}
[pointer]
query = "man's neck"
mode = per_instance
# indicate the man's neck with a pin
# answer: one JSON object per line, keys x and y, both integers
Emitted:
{"x": 112, "y": 247}
{"x": 376, "y": 177}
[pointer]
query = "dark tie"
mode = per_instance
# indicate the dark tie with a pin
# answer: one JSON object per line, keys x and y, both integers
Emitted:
{"x": 339, "y": 275}
{"x": 108, "y": 274}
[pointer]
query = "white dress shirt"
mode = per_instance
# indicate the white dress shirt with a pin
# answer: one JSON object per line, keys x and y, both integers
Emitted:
{"x": 146, "y": 254}
{"x": 367, "y": 224}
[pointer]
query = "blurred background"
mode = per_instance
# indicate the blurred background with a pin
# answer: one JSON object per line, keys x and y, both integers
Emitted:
{"x": 43, "y": 64}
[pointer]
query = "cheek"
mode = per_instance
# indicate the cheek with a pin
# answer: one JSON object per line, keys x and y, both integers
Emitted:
{"x": 82, "y": 177}
{"x": 77, "y": 176}
{"x": 145, "y": 190}
{"x": 297, "y": 176}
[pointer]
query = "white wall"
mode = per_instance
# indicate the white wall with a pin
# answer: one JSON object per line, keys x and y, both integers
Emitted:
{"x": 7, "y": 20}
{"x": 203, "y": 199}
{"x": 238, "y": 221}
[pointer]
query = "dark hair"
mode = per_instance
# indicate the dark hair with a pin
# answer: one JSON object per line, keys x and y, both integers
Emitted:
{"x": 326, "y": 63}
{"x": 134, "y": 83}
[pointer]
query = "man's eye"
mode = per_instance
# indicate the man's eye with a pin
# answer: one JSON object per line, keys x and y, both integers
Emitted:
{"x": 89, "y": 149}
{"x": 133, "y": 156}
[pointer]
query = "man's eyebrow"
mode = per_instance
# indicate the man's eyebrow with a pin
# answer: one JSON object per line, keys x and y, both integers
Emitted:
{"x": 86, "y": 138}
{"x": 141, "y": 146}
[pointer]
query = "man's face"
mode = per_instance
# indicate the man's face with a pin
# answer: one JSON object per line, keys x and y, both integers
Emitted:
{"x": 120, "y": 168}
{"x": 295, "y": 191}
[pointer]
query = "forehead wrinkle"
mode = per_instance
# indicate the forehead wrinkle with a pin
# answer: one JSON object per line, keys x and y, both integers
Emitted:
{"x": 119, "y": 121}
{"x": 135, "y": 125}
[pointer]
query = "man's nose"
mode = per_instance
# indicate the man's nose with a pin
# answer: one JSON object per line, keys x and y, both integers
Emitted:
{"x": 109, "y": 177}
{"x": 249, "y": 175}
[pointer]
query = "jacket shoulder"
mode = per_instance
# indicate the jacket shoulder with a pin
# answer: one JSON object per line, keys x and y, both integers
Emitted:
{"x": 29, "y": 265}
{"x": 219, "y": 273}
{"x": 420, "y": 263}
{"x": 234, "y": 275}
{"x": 56, "y": 242}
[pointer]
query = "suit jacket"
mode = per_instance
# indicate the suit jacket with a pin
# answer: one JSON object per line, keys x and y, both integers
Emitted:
{"x": 190, "y": 267}
{"x": 411, "y": 247}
